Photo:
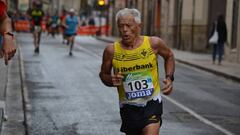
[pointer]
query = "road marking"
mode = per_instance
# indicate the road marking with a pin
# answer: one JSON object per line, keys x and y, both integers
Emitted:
{"x": 24, "y": 90}
{"x": 78, "y": 45}
{"x": 199, "y": 117}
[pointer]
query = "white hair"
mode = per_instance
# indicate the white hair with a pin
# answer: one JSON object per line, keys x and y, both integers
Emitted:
{"x": 126, "y": 11}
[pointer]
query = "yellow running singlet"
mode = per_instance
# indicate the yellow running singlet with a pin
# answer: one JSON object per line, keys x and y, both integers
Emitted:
{"x": 140, "y": 70}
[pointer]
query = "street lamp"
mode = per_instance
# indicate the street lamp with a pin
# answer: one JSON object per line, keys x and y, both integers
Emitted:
{"x": 101, "y": 2}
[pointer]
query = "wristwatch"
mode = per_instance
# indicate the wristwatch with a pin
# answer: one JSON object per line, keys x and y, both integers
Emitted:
{"x": 8, "y": 33}
{"x": 171, "y": 77}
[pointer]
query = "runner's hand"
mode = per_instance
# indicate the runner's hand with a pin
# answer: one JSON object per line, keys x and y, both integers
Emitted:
{"x": 117, "y": 79}
{"x": 167, "y": 87}
{"x": 9, "y": 48}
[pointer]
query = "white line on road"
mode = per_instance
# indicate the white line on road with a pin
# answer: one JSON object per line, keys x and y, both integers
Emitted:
{"x": 78, "y": 45}
{"x": 199, "y": 117}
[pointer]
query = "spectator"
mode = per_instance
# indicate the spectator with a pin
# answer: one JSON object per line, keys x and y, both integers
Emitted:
{"x": 218, "y": 47}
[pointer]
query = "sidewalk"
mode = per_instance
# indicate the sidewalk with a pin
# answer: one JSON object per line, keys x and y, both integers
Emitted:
{"x": 12, "y": 123}
{"x": 202, "y": 61}
{"x": 3, "y": 82}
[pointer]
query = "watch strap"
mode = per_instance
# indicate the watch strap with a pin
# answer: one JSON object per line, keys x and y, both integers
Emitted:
{"x": 8, "y": 33}
{"x": 171, "y": 77}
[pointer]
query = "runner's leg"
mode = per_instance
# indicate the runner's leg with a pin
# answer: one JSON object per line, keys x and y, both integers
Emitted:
{"x": 71, "y": 44}
{"x": 35, "y": 40}
{"x": 39, "y": 38}
{"x": 152, "y": 129}
{"x": 64, "y": 38}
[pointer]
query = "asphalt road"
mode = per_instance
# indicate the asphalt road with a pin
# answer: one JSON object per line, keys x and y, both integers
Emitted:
{"x": 66, "y": 96}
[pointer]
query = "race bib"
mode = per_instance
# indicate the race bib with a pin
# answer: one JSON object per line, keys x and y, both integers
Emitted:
{"x": 138, "y": 85}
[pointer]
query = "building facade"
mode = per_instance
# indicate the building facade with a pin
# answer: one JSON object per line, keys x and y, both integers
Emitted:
{"x": 238, "y": 39}
{"x": 13, "y": 5}
{"x": 232, "y": 50}
{"x": 150, "y": 9}
{"x": 185, "y": 24}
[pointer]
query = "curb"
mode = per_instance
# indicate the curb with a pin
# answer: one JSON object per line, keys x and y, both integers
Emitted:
{"x": 105, "y": 40}
{"x": 24, "y": 90}
{"x": 13, "y": 123}
{"x": 1, "y": 119}
{"x": 227, "y": 76}
{"x": 3, "y": 116}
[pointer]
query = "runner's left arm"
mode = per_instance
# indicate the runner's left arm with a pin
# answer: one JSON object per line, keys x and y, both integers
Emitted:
{"x": 8, "y": 46}
{"x": 160, "y": 48}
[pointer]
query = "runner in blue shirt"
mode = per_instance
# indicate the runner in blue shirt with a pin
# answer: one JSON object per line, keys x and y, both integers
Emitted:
{"x": 71, "y": 25}
{"x": 54, "y": 24}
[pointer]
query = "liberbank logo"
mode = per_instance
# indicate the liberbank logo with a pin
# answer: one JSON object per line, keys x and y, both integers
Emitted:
{"x": 134, "y": 68}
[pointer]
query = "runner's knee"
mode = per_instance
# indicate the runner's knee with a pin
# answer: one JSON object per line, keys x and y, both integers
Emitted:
{"x": 152, "y": 129}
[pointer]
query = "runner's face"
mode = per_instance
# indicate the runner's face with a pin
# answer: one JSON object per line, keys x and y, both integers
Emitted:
{"x": 129, "y": 29}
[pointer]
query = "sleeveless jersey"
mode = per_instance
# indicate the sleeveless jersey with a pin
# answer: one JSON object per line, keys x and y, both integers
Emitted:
{"x": 140, "y": 70}
{"x": 37, "y": 16}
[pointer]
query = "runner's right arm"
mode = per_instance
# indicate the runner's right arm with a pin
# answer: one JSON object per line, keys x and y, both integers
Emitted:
{"x": 105, "y": 74}
{"x": 160, "y": 47}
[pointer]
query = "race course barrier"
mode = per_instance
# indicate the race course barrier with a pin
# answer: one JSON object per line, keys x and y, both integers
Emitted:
{"x": 24, "y": 26}
{"x": 93, "y": 30}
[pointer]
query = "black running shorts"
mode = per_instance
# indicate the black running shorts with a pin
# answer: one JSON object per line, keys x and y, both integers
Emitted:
{"x": 70, "y": 35}
{"x": 135, "y": 118}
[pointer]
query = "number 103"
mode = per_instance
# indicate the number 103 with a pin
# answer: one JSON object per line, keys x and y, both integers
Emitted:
{"x": 138, "y": 85}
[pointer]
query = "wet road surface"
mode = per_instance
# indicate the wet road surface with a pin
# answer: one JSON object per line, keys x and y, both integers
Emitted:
{"x": 66, "y": 96}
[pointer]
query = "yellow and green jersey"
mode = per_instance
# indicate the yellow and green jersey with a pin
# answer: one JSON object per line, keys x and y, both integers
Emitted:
{"x": 37, "y": 16}
{"x": 140, "y": 70}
